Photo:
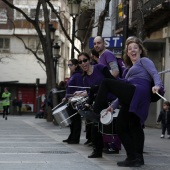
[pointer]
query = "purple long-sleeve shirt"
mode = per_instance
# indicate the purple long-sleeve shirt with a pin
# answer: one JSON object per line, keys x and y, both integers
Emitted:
{"x": 141, "y": 75}
{"x": 75, "y": 80}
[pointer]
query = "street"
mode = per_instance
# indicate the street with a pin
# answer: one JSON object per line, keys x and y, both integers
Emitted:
{"x": 27, "y": 143}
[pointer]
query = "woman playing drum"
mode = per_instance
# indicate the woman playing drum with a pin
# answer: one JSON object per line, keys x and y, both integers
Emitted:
{"x": 75, "y": 80}
{"x": 93, "y": 76}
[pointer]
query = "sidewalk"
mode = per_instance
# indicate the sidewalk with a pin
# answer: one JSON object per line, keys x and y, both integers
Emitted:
{"x": 27, "y": 143}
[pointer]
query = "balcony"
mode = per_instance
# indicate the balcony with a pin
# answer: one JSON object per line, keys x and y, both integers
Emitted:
{"x": 156, "y": 15}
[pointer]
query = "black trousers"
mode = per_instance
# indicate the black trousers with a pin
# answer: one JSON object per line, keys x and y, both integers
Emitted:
{"x": 97, "y": 138}
{"x": 88, "y": 129}
{"x": 164, "y": 128}
{"x": 75, "y": 126}
{"x": 5, "y": 110}
{"x": 128, "y": 125}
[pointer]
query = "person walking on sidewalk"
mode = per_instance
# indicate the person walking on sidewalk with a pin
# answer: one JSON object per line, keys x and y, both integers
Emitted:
{"x": 164, "y": 118}
{"x": 6, "y": 95}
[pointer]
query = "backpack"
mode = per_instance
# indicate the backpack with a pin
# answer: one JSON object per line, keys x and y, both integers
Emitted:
{"x": 121, "y": 66}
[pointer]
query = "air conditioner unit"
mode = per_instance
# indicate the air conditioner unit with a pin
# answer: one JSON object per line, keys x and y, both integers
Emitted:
{"x": 166, "y": 32}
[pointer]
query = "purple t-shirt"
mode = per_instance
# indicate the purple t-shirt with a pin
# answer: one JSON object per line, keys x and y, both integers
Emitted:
{"x": 96, "y": 77}
{"x": 106, "y": 58}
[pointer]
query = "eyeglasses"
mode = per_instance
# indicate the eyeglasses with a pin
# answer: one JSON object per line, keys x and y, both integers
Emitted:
{"x": 83, "y": 61}
{"x": 69, "y": 65}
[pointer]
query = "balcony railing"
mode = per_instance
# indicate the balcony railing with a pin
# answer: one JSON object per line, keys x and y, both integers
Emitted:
{"x": 148, "y": 7}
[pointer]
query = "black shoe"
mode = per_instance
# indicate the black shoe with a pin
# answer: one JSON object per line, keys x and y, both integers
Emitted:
{"x": 87, "y": 142}
{"x": 73, "y": 142}
{"x": 140, "y": 158}
{"x": 129, "y": 163}
{"x": 90, "y": 115}
{"x": 6, "y": 118}
{"x": 111, "y": 151}
{"x": 90, "y": 144}
{"x": 66, "y": 140}
{"x": 95, "y": 155}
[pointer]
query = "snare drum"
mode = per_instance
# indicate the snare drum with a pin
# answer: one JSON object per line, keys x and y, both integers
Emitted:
{"x": 74, "y": 100}
{"x": 107, "y": 123}
{"x": 61, "y": 114}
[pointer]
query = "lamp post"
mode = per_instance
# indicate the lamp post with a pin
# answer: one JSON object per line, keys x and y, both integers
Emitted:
{"x": 74, "y": 7}
{"x": 56, "y": 57}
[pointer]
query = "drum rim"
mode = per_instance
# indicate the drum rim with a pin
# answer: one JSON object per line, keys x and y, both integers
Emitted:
{"x": 110, "y": 117}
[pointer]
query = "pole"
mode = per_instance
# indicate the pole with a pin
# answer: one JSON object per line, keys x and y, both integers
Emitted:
{"x": 73, "y": 35}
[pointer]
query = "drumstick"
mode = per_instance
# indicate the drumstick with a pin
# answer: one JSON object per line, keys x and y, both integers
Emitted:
{"x": 69, "y": 117}
{"x": 57, "y": 105}
{"x": 80, "y": 87}
{"x": 166, "y": 71}
{"x": 161, "y": 96}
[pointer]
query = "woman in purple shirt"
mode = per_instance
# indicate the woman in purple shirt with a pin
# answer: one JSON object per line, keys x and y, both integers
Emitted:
{"x": 75, "y": 80}
{"x": 134, "y": 95}
{"x": 92, "y": 77}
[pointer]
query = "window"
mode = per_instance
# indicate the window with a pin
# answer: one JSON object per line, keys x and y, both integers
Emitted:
{"x": 4, "y": 44}
{"x": 34, "y": 44}
{"x": 3, "y": 16}
{"x": 18, "y": 15}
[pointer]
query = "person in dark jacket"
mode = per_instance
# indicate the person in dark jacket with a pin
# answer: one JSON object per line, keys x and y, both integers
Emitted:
{"x": 164, "y": 118}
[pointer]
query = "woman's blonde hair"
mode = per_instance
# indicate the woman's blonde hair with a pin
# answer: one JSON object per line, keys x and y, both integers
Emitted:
{"x": 130, "y": 40}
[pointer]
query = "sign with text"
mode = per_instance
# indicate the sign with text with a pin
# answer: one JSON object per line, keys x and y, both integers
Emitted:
{"x": 111, "y": 42}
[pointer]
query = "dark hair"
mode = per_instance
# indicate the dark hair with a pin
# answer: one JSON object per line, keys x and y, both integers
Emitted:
{"x": 85, "y": 54}
{"x": 75, "y": 62}
{"x": 167, "y": 103}
{"x": 95, "y": 53}
{"x": 138, "y": 41}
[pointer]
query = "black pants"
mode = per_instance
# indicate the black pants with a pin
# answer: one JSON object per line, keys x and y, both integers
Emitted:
{"x": 164, "y": 128}
{"x": 75, "y": 126}
{"x": 128, "y": 125}
{"x": 5, "y": 110}
{"x": 97, "y": 138}
{"x": 88, "y": 129}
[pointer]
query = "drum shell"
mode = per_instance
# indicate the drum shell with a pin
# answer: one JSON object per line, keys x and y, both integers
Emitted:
{"x": 61, "y": 114}
{"x": 108, "y": 129}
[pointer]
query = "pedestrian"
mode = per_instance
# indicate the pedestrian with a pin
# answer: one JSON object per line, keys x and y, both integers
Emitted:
{"x": 19, "y": 106}
{"x": 75, "y": 80}
{"x": 134, "y": 95}
{"x": 6, "y": 95}
{"x": 92, "y": 77}
{"x": 164, "y": 118}
{"x": 14, "y": 105}
{"x": 112, "y": 143}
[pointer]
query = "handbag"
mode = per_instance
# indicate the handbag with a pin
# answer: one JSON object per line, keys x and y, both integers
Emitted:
{"x": 154, "y": 96}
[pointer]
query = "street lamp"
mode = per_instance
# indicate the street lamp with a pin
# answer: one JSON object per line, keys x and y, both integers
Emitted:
{"x": 56, "y": 54}
{"x": 74, "y": 7}
{"x": 52, "y": 32}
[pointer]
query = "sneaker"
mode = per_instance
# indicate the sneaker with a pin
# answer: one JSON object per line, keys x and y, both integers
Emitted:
{"x": 162, "y": 136}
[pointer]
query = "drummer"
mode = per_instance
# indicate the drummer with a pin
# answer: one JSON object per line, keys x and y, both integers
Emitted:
{"x": 75, "y": 80}
{"x": 92, "y": 77}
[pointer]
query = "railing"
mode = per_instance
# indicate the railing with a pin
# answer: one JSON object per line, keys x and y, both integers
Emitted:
{"x": 147, "y": 8}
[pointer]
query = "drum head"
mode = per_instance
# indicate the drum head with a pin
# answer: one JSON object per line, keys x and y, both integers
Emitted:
{"x": 76, "y": 98}
{"x": 106, "y": 117}
{"x": 59, "y": 109}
